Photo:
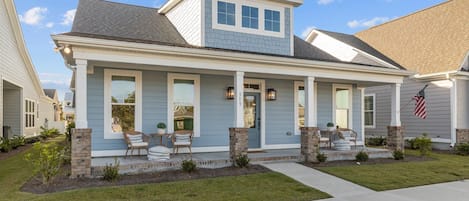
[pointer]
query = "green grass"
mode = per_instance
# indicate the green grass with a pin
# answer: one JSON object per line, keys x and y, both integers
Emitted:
{"x": 14, "y": 172}
{"x": 443, "y": 168}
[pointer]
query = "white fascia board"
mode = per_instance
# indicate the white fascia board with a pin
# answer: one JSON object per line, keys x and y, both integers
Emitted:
{"x": 129, "y": 48}
{"x": 170, "y": 4}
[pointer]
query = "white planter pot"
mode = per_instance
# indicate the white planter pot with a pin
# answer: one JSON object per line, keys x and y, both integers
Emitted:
{"x": 161, "y": 130}
{"x": 330, "y": 128}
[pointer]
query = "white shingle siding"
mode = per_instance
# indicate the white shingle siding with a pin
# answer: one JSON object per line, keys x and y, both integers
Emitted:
{"x": 187, "y": 19}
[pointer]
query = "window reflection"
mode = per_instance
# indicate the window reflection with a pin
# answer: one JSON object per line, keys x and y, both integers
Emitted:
{"x": 301, "y": 107}
{"x": 123, "y": 104}
{"x": 250, "y": 112}
{"x": 342, "y": 107}
{"x": 183, "y": 104}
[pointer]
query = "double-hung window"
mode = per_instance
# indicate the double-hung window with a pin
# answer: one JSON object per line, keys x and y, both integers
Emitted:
{"x": 123, "y": 102}
{"x": 184, "y": 103}
{"x": 343, "y": 105}
{"x": 226, "y": 13}
{"x": 250, "y": 17}
{"x": 369, "y": 110}
{"x": 30, "y": 113}
{"x": 272, "y": 20}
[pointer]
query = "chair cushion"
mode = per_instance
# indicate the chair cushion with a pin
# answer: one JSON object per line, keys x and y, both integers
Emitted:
{"x": 324, "y": 139}
{"x": 135, "y": 138}
{"x": 182, "y": 138}
{"x": 140, "y": 144}
{"x": 182, "y": 143}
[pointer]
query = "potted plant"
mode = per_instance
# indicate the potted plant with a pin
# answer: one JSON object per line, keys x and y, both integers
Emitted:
{"x": 330, "y": 126}
{"x": 161, "y": 128}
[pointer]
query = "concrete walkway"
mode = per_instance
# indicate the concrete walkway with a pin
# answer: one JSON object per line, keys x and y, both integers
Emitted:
{"x": 343, "y": 190}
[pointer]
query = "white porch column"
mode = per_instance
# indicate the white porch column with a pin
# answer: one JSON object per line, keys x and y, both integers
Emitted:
{"x": 396, "y": 104}
{"x": 310, "y": 103}
{"x": 454, "y": 111}
{"x": 81, "y": 93}
{"x": 362, "y": 98}
{"x": 239, "y": 99}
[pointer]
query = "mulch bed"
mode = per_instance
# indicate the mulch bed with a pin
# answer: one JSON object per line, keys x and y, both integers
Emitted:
{"x": 369, "y": 162}
{"x": 13, "y": 152}
{"x": 63, "y": 183}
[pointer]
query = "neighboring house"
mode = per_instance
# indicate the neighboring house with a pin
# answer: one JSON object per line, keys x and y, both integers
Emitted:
{"x": 57, "y": 107}
{"x": 53, "y": 114}
{"x": 22, "y": 99}
{"x": 434, "y": 43}
{"x": 68, "y": 107}
{"x": 208, "y": 66}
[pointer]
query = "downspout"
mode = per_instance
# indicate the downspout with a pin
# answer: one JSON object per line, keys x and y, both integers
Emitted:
{"x": 454, "y": 110}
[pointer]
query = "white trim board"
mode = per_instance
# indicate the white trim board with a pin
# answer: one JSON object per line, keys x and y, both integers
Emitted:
{"x": 108, "y": 73}
{"x": 296, "y": 85}
{"x": 374, "y": 110}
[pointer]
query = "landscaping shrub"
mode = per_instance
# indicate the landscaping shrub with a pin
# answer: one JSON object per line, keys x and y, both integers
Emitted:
{"x": 424, "y": 144}
{"x": 68, "y": 132}
{"x": 361, "y": 156}
{"x": 47, "y": 133}
{"x": 188, "y": 166}
{"x": 5, "y": 144}
{"x": 462, "y": 149}
{"x": 32, "y": 140}
{"x": 398, "y": 155}
{"x": 111, "y": 171}
{"x": 46, "y": 159}
{"x": 17, "y": 141}
{"x": 375, "y": 141}
{"x": 242, "y": 161}
{"x": 321, "y": 157}
{"x": 411, "y": 143}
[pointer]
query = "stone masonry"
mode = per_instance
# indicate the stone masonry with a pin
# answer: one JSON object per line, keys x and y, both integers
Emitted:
{"x": 238, "y": 143}
{"x": 309, "y": 143}
{"x": 81, "y": 153}
{"x": 395, "y": 140}
{"x": 462, "y": 136}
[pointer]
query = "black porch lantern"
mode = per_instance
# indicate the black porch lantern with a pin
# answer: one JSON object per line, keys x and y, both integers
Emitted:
{"x": 271, "y": 94}
{"x": 230, "y": 93}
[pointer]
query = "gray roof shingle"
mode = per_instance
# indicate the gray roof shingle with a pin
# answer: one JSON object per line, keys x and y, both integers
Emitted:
{"x": 116, "y": 21}
{"x": 50, "y": 93}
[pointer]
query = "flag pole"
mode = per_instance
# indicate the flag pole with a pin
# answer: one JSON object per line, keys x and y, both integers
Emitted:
{"x": 404, "y": 106}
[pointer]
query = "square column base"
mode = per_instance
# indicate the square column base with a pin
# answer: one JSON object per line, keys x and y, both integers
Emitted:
{"x": 81, "y": 153}
{"x": 395, "y": 140}
{"x": 309, "y": 143}
{"x": 238, "y": 143}
{"x": 462, "y": 136}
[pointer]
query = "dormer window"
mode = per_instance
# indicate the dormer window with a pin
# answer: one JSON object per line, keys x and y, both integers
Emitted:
{"x": 226, "y": 13}
{"x": 250, "y": 17}
{"x": 272, "y": 20}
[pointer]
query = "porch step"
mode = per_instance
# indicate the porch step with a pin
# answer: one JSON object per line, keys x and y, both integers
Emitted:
{"x": 334, "y": 155}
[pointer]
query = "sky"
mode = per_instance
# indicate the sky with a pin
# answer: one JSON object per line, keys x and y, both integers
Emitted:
{"x": 41, "y": 18}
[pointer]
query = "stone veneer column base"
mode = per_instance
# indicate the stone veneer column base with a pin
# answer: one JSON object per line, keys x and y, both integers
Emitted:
{"x": 309, "y": 143}
{"x": 462, "y": 135}
{"x": 81, "y": 153}
{"x": 238, "y": 143}
{"x": 395, "y": 140}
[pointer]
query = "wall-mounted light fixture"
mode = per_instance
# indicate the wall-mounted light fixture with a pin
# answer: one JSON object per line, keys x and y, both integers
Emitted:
{"x": 230, "y": 93}
{"x": 271, "y": 94}
{"x": 66, "y": 49}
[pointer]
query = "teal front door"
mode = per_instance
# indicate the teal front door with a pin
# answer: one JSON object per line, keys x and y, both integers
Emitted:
{"x": 252, "y": 119}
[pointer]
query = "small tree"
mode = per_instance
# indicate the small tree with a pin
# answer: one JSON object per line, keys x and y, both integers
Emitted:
{"x": 46, "y": 159}
{"x": 424, "y": 144}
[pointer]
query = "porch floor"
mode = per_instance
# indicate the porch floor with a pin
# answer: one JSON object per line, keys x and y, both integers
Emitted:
{"x": 139, "y": 164}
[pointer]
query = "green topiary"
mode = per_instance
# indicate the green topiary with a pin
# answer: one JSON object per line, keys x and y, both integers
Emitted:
{"x": 161, "y": 125}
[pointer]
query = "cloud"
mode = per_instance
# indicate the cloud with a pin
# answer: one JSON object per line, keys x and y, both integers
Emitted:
{"x": 367, "y": 22}
{"x": 68, "y": 17}
{"x": 306, "y": 32}
{"x": 50, "y": 25}
{"x": 33, "y": 16}
{"x": 325, "y": 2}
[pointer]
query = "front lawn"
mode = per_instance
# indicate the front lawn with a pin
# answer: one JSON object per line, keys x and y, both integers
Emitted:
{"x": 444, "y": 168}
{"x": 14, "y": 172}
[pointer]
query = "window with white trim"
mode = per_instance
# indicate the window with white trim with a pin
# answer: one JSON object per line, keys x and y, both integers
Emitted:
{"x": 226, "y": 13}
{"x": 122, "y": 102}
{"x": 343, "y": 105}
{"x": 29, "y": 113}
{"x": 369, "y": 110}
{"x": 184, "y": 103}
{"x": 250, "y": 17}
{"x": 272, "y": 20}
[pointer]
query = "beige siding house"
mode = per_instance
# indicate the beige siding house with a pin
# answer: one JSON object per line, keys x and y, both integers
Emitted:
{"x": 21, "y": 94}
{"x": 434, "y": 43}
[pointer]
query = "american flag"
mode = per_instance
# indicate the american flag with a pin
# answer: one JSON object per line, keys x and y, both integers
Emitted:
{"x": 420, "y": 105}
